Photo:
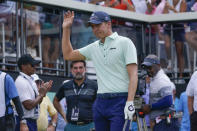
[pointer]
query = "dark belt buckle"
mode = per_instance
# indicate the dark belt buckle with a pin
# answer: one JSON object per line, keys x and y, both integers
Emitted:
{"x": 80, "y": 123}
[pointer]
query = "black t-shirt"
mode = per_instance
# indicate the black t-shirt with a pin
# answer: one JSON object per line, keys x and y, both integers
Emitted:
{"x": 84, "y": 101}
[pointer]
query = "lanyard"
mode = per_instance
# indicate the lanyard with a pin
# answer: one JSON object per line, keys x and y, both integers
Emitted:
{"x": 75, "y": 90}
{"x": 30, "y": 85}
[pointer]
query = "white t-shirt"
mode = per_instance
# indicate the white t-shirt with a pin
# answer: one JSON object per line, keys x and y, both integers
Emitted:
{"x": 140, "y": 6}
{"x": 191, "y": 89}
{"x": 27, "y": 90}
{"x": 2, "y": 93}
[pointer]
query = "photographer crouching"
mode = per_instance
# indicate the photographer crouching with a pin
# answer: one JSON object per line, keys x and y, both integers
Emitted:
{"x": 160, "y": 107}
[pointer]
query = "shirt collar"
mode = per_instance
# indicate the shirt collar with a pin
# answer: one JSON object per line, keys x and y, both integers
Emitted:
{"x": 26, "y": 76}
{"x": 84, "y": 82}
{"x": 112, "y": 36}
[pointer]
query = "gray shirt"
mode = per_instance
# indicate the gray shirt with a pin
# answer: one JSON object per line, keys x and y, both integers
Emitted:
{"x": 160, "y": 87}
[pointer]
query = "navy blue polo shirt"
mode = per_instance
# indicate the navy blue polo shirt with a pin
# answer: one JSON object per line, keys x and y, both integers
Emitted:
{"x": 84, "y": 101}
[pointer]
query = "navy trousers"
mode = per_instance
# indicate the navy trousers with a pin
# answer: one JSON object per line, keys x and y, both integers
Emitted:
{"x": 193, "y": 121}
{"x": 32, "y": 124}
{"x": 108, "y": 114}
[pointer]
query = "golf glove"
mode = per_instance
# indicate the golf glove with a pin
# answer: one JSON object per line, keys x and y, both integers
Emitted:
{"x": 129, "y": 110}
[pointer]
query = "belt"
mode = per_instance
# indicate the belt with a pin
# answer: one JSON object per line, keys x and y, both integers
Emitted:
{"x": 81, "y": 123}
{"x": 30, "y": 119}
{"x": 111, "y": 95}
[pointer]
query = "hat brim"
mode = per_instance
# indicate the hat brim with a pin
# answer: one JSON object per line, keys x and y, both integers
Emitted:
{"x": 35, "y": 62}
{"x": 94, "y": 22}
{"x": 147, "y": 63}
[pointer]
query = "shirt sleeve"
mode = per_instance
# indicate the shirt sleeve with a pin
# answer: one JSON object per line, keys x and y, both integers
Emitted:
{"x": 130, "y": 53}
{"x": 10, "y": 87}
{"x": 60, "y": 93}
{"x": 191, "y": 85}
{"x": 165, "y": 91}
{"x": 86, "y": 51}
{"x": 51, "y": 109}
{"x": 23, "y": 90}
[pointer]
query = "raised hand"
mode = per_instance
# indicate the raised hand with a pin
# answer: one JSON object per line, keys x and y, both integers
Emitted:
{"x": 68, "y": 19}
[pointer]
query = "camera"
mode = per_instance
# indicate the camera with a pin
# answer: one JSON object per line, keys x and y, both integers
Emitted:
{"x": 141, "y": 89}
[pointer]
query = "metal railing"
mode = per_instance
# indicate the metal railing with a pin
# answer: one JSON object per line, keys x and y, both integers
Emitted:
{"x": 60, "y": 67}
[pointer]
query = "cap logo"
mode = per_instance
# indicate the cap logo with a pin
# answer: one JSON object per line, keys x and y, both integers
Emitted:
{"x": 106, "y": 18}
{"x": 94, "y": 17}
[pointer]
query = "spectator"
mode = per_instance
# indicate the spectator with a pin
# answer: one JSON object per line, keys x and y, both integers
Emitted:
{"x": 190, "y": 5}
{"x": 121, "y": 27}
{"x": 50, "y": 40}
{"x": 33, "y": 29}
{"x": 153, "y": 30}
{"x": 140, "y": 7}
{"x": 191, "y": 37}
{"x": 46, "y": 107}
{"x": 8, "y": 16}
{"x": 115, "y": 60}
{"x": 29, "y": 95}
{"x": 80, "y": 94}
{"x": 175, "y": 6}
{"x": 192, "y": 101}
{"x": 9, "y": 92}
{"x": 160, "y": 96}
{"x": 183, "y": 107}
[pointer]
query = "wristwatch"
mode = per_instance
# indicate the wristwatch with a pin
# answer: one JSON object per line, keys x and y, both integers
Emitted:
{"x": 53, "y": 124}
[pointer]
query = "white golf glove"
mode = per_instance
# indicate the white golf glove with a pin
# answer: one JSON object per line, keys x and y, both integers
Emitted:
{"x": 129, "y": 110}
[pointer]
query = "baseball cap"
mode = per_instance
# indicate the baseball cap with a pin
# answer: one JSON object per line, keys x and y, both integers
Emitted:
{"x": 150, "y": 60}
{"x": 27, "y": 59}
{"x": 98, "y": 17}
{"x": 36, "y": 77}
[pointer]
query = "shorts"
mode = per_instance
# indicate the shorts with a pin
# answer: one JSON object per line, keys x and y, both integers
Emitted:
{"x": 178, "y": 32}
